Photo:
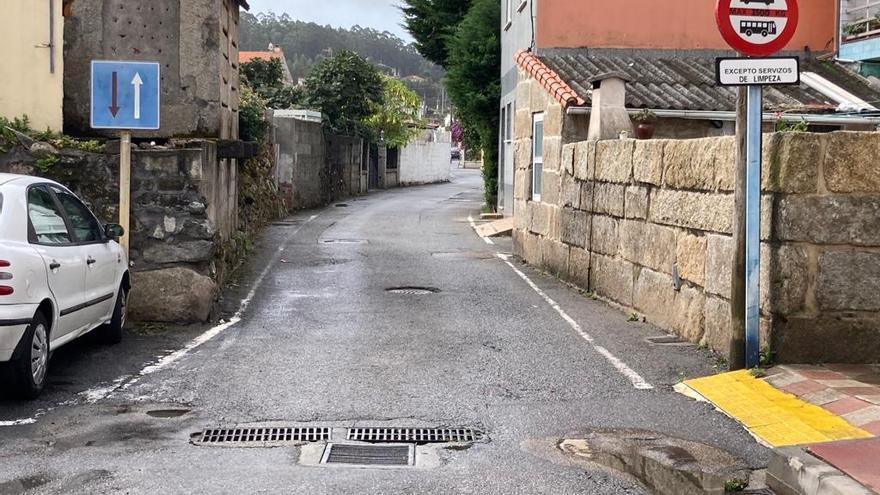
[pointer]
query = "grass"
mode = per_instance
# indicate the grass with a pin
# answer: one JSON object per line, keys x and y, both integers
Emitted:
{"x": 733, "y": 486}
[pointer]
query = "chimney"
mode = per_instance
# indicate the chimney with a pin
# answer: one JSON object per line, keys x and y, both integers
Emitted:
{"x": 608, "y": 116}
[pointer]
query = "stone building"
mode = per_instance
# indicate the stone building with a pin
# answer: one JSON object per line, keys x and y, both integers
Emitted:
{"x": 647, "y": 225}
{"x": 666, "y": 51}
{"x": 195, "y": 41}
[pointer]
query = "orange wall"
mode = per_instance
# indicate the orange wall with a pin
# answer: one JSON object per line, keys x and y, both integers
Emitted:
{"x": 662, "y": 24}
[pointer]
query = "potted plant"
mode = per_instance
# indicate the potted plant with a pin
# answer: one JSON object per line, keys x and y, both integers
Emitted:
{"x": 646, "y": 121}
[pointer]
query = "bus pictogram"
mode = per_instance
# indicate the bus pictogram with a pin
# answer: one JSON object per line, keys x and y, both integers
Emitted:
{"x": 764, "y": 28}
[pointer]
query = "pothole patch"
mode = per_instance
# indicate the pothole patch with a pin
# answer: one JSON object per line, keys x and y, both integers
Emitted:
{"x": 665, "y": 465}
{"x": 167, "y": 413}
{"x": 413, "y": 291}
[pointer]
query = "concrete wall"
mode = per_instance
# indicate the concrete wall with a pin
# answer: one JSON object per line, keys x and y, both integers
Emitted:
{"x": 623, "y": 217}
{"x": 184, "y": 210}
{"x": 28, "y": 84}
{"x": 685, "y": 24}
{"x": 301, "y": 162}
{"x": 426, "y": 159}
{"x": 314, "y": 168}
{"x": 196, "y": 42}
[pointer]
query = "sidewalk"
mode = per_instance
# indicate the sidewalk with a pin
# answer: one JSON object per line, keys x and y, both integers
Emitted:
{"x": 821, "y": 420}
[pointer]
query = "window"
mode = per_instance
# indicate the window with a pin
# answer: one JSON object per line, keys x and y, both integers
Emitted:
{"x": 537, "y": 154}
{"x": 82, "y": 222}
{"x": 46, "y": 219}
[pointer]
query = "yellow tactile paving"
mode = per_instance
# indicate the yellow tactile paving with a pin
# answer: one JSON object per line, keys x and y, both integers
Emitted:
{"x": 776, "y": 417}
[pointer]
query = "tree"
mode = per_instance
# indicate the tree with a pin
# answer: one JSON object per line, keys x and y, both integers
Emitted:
{"x": 433, "y": 23}
{"x": 266, "y": 78}
{"x": 346, "y": 89}
{"x": 397, "y": 119}
{"x": 473, "y": 69}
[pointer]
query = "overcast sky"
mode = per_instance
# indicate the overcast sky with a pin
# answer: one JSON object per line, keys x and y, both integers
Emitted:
{"x": 382, "y": 15}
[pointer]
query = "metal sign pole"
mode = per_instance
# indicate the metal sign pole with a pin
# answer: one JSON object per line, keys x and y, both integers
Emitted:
{"x": 753, "y": 225}
{"x": 124, "y": 187}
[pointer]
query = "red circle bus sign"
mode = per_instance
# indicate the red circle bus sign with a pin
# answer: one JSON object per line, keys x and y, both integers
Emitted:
{"x": 757, "y": 27}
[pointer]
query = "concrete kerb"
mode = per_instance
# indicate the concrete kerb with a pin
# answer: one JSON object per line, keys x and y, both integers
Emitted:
{"x": 793, "y": 471}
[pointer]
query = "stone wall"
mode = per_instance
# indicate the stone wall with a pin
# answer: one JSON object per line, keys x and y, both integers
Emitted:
{"x": 196, "y": 43}
{"x": 184, "y": 209}
{"x": 628, "y": 219}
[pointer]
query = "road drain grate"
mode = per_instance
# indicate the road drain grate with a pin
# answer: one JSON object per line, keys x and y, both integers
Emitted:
{"x": 667, "y": 340}
{"x": 369, "y": 455}
{"x": 413, "y": 291}
{"x": 343, "y": 241}
{"x": 260, "y": 435}
{"x": 414, "y": 435}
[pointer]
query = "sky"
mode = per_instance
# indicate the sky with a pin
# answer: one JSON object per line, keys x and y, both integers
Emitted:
{"x": 382, "y": 15}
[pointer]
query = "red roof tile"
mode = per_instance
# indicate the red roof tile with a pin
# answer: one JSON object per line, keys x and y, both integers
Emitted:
{"x": 244, "y": 57}
{"x": 554, "y": 84}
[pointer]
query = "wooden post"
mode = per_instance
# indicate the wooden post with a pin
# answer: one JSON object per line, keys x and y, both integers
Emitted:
{"x": 125, "y": 187}
{"x": 736, "y": 356}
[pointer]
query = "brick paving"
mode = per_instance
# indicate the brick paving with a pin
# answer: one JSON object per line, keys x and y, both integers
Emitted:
{"x": 848, "y": 390}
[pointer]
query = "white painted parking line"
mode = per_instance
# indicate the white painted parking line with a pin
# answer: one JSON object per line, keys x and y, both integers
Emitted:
{"x": 634, "y": 378}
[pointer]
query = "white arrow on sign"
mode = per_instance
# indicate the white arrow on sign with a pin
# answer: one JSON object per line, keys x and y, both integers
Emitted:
{"x": 137, "y": 82}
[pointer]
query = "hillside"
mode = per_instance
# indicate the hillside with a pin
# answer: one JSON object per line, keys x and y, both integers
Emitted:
{"x": 305, "y": 43}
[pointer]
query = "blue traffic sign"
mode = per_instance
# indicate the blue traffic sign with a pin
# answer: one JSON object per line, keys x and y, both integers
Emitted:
{"x": 125, "y": 95}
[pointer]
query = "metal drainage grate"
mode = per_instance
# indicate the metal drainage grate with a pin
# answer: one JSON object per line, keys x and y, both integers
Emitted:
{"x": 369, "y": 455}
{"x": 667, "y": 340}
{"x": 260, "y": 435}
{"x": 343, "y": 241}
{"x": 414, "y": 435}
{"x": 341, "y": 205}
{"x": 413, "y": 291}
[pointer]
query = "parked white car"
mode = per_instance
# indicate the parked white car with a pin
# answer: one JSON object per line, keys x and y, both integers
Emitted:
{"x": 62, "y": 275}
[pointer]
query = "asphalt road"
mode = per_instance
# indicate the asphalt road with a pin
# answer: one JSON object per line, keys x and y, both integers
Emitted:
{"x": 319, "y": 341}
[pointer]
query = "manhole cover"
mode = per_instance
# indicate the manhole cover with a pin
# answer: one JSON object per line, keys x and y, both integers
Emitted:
{"x": 413, "y": 291}
{"x": 414, "y": 435}
{"x": 667, "y": 340}
{"x": 369, "y": 455}
{"x": 343, "y": 241}
{"x": 262, "y": 436}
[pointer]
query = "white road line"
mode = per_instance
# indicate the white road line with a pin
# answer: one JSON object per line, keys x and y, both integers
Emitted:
{"x": 18, "y": 422}
{"x": 474, "y": 226}
{"x": 636, "y": 380}
{"x": 100, "y": 393}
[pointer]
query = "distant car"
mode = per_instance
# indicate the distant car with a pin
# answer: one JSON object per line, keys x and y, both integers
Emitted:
{"x": 62, "y": 275}
{"x": 456, "y": 153}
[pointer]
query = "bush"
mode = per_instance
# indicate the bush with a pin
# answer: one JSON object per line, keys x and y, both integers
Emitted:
{"x": 252, "y": 124}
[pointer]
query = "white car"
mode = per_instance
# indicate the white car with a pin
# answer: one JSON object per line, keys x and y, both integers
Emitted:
{"x": 62, "y": 275}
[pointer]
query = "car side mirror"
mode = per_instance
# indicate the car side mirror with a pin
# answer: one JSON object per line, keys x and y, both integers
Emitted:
{"x": 114, "y": 231}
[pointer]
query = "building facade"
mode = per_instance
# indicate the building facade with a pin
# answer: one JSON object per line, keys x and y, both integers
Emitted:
{"x": 31, "y": 76}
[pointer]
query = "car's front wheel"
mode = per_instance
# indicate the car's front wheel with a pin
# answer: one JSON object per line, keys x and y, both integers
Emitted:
{"x": 32, "y": 366}
{"x": 111, "y": 333}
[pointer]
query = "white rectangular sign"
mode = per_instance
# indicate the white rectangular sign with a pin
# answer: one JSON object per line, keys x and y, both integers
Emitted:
{"x": 766, "y": 71}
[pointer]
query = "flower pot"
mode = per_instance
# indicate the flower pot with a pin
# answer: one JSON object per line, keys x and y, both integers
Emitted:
{"x": 645, "y": 130}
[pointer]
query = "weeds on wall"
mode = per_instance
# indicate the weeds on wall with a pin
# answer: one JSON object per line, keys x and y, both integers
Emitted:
{"x": 9, "y": 139}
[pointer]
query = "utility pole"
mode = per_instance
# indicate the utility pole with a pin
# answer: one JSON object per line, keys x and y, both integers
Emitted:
{"x": 737, "y": 354}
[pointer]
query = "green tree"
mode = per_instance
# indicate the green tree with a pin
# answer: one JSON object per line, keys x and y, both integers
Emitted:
{"x": 473, "y": 69}
{"x": 266, "y": 78}
{"x": 347, "y": 90}
{"x": 397, "y": 119}
{"x": 433, "y": 24}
